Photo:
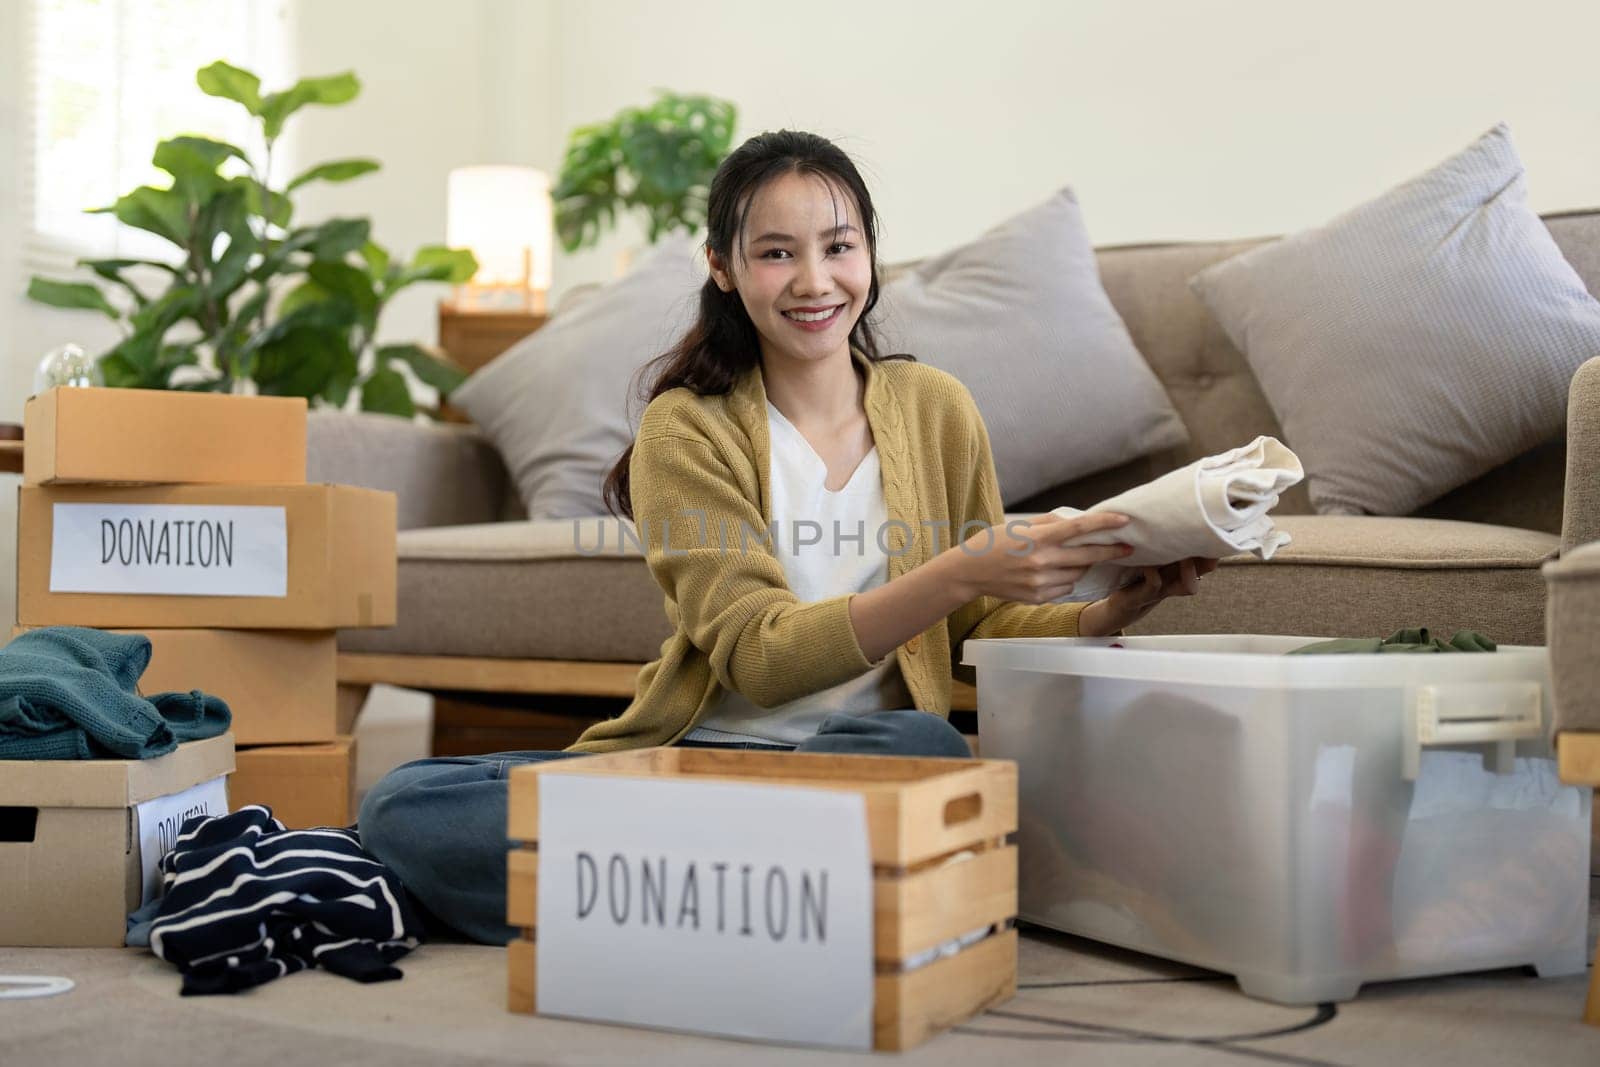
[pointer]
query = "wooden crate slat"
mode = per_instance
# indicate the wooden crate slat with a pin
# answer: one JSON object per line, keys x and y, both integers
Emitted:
{"x": 522, "y": 887}
{"x": 521, "y": 957}
{"x": 917, "y": 809}
{"x": 916, "y": 912}
{"x": 1578, "y": 757}
{"x": 910, "y": 1008}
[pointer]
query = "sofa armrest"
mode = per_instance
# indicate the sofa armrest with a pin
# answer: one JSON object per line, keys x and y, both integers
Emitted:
{"x": 1580, "y": 513}
{"x": 444, "y": 475}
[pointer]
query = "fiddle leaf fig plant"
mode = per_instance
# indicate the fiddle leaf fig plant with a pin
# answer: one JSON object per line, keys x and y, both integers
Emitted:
{"x": 253, "y": 300}
{"x": 657, "y": 159}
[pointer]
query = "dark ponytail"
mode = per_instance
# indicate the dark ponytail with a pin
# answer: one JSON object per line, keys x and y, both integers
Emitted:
{"x": 723, "y": 344}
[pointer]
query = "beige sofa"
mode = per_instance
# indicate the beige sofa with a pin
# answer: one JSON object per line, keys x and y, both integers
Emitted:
{"x": 491, "y": 602}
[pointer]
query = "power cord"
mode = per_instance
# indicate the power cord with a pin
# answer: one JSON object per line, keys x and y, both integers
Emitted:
{"x": 1097, "y": 1033}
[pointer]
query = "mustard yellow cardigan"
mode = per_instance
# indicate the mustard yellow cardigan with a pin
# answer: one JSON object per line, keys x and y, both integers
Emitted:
{"x": 700, "y": 474}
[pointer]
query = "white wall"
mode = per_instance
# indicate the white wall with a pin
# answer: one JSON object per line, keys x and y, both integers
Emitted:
{"x": 1172, "y": 119}
{"x": 443, "y": 86}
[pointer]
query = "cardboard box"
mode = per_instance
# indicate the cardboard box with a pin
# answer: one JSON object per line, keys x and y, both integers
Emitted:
{"x": 281, "y": 685}
{"x": 160, "y": 436}
{"x": 70, "y": 860}
{"x": 161, "y": 559}
{"x": 304, "y": 785}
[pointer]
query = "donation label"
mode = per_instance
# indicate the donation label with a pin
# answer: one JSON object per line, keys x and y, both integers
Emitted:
{"x": 170, "y": 549}
{"x": 160, "y": 820}
{"x": 710, "y": 907}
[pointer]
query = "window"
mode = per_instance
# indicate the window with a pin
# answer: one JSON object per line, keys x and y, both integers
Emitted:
{"x": 106, "y": 80}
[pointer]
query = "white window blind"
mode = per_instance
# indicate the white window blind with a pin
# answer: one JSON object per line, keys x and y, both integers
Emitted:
{"x": 106, "y": 80}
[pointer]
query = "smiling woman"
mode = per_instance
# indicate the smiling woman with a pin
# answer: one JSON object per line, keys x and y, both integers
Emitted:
{"x": 776, "y": 410}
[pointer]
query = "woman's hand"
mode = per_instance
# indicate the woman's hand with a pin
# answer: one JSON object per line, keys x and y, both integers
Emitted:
{"x": 1028, "y": 563}
{"x": 1133, "y": 602}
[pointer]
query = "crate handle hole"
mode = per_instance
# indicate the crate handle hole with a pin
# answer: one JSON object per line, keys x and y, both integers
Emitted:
{"x": 963, "y": 809}
{"x": 18, "y": 824}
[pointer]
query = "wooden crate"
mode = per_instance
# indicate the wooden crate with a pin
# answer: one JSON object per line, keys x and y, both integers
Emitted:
{"x": 936, "y": 830}
{"x": 1578, "y": 756}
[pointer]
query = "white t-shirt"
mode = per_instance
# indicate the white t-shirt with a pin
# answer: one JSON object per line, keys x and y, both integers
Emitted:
{"x": 844, "y": 558}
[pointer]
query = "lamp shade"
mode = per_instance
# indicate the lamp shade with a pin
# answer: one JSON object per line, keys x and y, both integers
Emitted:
{"x": 503, "y": 214}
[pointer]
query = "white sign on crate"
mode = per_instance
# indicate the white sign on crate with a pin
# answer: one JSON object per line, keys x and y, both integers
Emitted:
{"x": 160, "y": 820}
{"x": 712, "y": 907}
{"x": 170, "y": 549}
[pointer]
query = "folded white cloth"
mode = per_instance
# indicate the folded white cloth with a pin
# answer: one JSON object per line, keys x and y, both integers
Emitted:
{"x": 1216, "y": 506}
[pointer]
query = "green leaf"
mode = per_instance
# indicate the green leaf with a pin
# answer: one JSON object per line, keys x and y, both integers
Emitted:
{"x": 134, "y": 363}
{"x": 333, "y": 315}
{"x": 263, "y": 202}
{"x": 229, "y": 270}
{"x": 335, "y": 89}
{"x": 385, "y": 391}
{"x": 231, "y": 83}
{"x": 163, "y": 212}
{"x": 436, "y": 264}
{"x": 336, "y": 238}
{"x": 188, "y": 156}
{"x": 77, "y": 296}
{"x": 300, "y": 362}
{"x": 111, "y": 270}
{"x": 342, "y": 380}
{"x": 348, "y": 283}
{"x": 238, "y": 330}
{"x": 160, "y": 315}
{"x": 338, "y": 171}
{"x": 377, "y": 259}
{"x": 428, "y": 366}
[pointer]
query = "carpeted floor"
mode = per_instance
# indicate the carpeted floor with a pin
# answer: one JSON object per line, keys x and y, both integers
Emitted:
{"x": 1081, "y": 1003}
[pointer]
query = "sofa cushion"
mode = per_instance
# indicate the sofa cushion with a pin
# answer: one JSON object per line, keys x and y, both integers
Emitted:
{"x": 554, "y": 590}
{"x": 557, "y": 404}
{"x": 521, "y": 590}
{"x": 1349, "y": 576}
{"x": 1020, "y": 318}
{"x": 1416, "y": 341}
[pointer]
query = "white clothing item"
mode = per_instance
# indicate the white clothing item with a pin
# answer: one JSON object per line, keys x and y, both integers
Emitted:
{"x": 844, "y": 557}
{"x": 1217, "y": 506}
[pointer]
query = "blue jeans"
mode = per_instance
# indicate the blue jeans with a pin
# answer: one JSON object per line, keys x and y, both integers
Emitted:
{"x": 440, "y": 824}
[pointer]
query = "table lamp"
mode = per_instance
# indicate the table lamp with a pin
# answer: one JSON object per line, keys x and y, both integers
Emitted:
{"x": 503, "y": 214}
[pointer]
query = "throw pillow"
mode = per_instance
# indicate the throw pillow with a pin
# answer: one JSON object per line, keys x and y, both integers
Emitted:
{"x": 558, "y": 404}
{"x": 1020, "y": 317}
{"x": 1414, "y": 342}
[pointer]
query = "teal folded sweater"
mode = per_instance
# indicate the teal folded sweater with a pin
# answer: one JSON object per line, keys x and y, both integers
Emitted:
{"x": 67, "y": 692}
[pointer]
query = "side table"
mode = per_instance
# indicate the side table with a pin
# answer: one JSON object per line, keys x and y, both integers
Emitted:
{"x": 473, "y": 338}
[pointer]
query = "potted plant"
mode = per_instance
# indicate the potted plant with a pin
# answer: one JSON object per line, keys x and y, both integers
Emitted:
{"x": 253, "y": 300}
{"x": 657, "y": 159}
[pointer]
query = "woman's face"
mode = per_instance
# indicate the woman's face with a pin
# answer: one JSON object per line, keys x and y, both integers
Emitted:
{"x": 802, "y": 268}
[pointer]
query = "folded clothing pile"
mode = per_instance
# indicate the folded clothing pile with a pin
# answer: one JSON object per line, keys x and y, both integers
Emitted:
{"x": 1214, "y": 507}
{"x": 71, "y": 693}
{"x": 245, "y": 901}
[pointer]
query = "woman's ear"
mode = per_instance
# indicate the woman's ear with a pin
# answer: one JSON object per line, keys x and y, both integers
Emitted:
{"x": 719, "y": 271}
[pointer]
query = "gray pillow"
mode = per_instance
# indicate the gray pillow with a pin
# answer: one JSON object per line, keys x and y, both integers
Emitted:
{"x": 557, "y": 404}
{"x": 1020, "y": 317}
{"x": 1414, "y": 342}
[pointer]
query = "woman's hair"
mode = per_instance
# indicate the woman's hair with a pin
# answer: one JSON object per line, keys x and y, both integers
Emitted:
{"x": 723, "y": 343}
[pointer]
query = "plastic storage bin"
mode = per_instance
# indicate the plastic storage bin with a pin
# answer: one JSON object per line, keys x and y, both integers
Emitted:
{"x": 1304, "y": 823}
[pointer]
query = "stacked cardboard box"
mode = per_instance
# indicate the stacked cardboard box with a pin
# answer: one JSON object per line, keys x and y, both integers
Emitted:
{"x": 186, "y": 517}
